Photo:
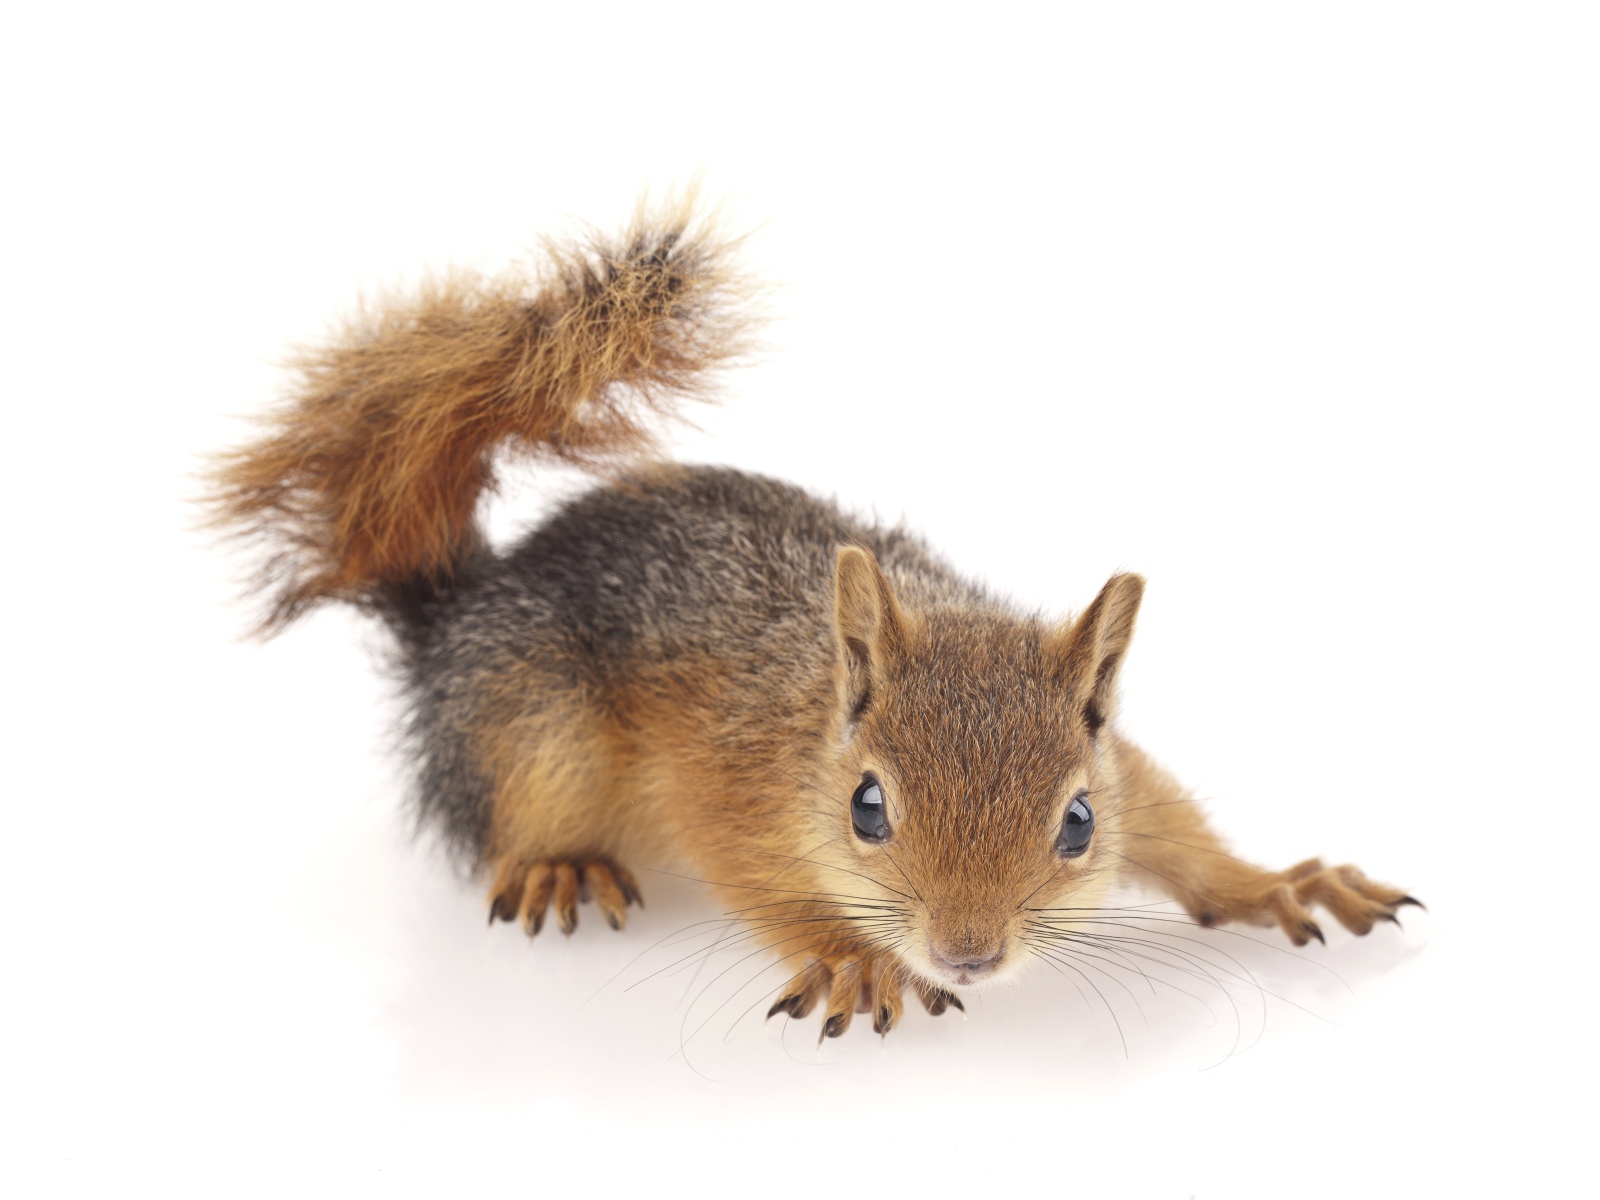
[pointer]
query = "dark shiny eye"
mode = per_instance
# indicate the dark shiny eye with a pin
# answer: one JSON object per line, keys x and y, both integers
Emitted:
{"x": 866, "y": 811}
{"x": 1077, "y": 828}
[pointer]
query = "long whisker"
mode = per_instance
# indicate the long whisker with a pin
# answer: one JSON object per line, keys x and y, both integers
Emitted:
{"x": 684, "y": 1042}
{"x": 1111, "y": 1011}
{"x": 830, "y": 867}
{"x": 1175, "y": 842}
{"x": 746, "y": 932}
{"x": 895, "y": 863}
{"x": 747, "y": 887}
{"x": 1212, "y": 930}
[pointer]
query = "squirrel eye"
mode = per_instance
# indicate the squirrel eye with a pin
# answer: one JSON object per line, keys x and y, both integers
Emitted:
{"x": 866, "y": 811}
{"x": 1077, "y": 828}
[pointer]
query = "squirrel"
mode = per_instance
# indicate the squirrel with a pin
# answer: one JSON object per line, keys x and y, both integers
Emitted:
{"x": 898, "y": 781}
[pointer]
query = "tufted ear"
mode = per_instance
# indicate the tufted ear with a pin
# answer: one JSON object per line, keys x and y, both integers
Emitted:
{"x": 1092, "y": 648}
{"x": 868, "y": 624}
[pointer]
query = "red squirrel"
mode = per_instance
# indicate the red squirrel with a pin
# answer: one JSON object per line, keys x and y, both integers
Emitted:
{"x": 897, "y": 779}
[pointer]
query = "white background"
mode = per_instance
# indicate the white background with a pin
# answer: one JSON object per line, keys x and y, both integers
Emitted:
{"x": 1291, "y": 309}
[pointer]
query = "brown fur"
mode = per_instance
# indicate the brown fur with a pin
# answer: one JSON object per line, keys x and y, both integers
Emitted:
{"x": 697, "y": 667}
{"x": 371, "y": 472}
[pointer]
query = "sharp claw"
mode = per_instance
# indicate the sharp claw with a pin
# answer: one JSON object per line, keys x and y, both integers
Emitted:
{"x": 834, "y": 1026}
{"x": 1404, "y": 900}
{"x": 955, "y": 1002}
{"x": 881, "y": 1025}
{"x": 1312, "y": 930}
{"x": 784, "y": 1003}
{"x": 1395, "y": 919}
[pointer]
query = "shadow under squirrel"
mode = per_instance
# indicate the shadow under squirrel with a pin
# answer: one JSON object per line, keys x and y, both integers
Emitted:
{"x": 896, "y": 779}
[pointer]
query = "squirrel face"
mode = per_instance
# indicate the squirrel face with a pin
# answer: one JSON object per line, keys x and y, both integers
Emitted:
{"x": 970, "y": 768}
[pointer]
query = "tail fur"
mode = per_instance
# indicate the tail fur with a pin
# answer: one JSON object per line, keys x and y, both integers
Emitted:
{"x": 367, "y": 479}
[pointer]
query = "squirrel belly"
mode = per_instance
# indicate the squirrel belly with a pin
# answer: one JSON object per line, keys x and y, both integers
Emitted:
{"x": 898, "y": 781}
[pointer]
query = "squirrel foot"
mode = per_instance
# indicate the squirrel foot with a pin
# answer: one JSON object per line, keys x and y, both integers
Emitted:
{"x": 1355, "y": 901}
{"x": 856, "y": 983}
{"x": 524, "y": 891}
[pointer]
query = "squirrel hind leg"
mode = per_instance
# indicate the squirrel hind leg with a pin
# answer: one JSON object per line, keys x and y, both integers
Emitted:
{"x": 557, "y": 831}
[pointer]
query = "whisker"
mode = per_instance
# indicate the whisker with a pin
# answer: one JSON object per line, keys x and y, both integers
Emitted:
{"x": 747, "y": 887}
{"x": 746, "y": 933}
{"x": 1175, "y": 842}
{"x": 684, "y": 1042}
{"x": 1110, "y": 1011}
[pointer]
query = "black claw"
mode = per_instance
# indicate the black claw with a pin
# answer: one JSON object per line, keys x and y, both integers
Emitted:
{"x": 611, "y": 920}
{"x": 955, "y": 1001}
{"x": 501, "y": 910}
{"x": 538, "y": 924}
{"x": 1315, "y": 932}
{"x": 784, "y": 1004}
{"x": 881, "y": 1025}
{"x": 835, "y": 1026}
{"x": 1207, "y": 919}
{"x": 1404, "y": 900}
{"x": 1395, "y": 919}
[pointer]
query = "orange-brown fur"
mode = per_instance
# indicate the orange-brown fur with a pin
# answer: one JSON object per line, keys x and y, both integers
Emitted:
{"x": 694, "y": 667}
{"x": 372, "y": 471}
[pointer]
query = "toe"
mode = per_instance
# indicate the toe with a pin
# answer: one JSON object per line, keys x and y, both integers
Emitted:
{"x": 626, "y": 882}
{"x": 536, "y": 897}
{"x": 800, "y": 994}
{"x": 1355, "y": 901}
{"x": 607, "y": 892}
{"x": 506, "y": 891}
{"x": 1293, "y": 917}
{"x": 565, "y": 896}
{"x": 887, "y": 1000}
{"x": 936, "y": 1000}
{"x": 1303, "y": 870}
{"x": 842, "y": 999}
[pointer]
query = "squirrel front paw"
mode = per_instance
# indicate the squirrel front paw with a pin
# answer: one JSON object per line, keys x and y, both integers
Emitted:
{"x": 524, "y": 891}
{"x": 851, "y": 983}
{"x": 1286, "y": 899}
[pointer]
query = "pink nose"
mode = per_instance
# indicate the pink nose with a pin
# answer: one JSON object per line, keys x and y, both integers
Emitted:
{"x": 967, "y": 965}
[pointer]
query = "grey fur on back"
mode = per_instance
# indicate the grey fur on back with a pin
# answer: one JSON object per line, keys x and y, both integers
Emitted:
{"x": 668, "y": 562}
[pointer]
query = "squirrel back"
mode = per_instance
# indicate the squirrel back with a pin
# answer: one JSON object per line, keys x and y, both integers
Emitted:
{"x": 364, "y": 484}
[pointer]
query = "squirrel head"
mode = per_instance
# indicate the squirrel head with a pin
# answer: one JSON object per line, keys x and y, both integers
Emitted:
{"x": 974, "y": 761}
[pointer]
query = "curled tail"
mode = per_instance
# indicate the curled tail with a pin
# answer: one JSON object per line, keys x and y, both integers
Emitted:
{"x": 365, "y": 482}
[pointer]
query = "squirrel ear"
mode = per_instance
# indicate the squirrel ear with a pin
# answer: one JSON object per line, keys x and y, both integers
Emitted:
{"x": 868, "y": 624}
{"x": 1092, "y": 649}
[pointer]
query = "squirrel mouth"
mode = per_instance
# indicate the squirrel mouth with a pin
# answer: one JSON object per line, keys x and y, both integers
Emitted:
{"x": 968, "y": 972}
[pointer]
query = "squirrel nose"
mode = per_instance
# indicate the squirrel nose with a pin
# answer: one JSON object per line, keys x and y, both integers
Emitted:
{"x": 967, "y": 961}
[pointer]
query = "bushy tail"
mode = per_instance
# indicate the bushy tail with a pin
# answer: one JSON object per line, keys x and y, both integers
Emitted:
{"x": 366, "y": 481}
